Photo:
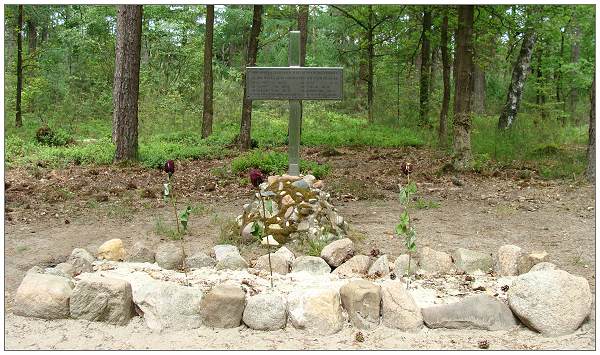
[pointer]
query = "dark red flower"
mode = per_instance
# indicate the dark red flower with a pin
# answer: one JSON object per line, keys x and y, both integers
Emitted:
{"x": 256, "y": 177}
{"x": 170, "y": 167}
{"x": 406, "y": 168}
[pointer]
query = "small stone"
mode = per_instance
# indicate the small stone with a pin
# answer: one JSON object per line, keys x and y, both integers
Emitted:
{"x": 223, "y": 250}
{"x": 526, "y": 262}
{"x": 102, "y": 299}
{"x": 436, "y": 262}
{"x": 43, "y": 296}
{"x": 318, "y": 311}
{"x": 380, "y": 267}
{"x": 199, "y": 260}
{"x": 112, "y": 250}
{"x": 272, "y": 179}
{"x": 310, "y": 179}
{"x": 266, "y": 311}
{"x": 398, "y": 308}
{"x": 289, "y": 178}
{"x": 303, "y": 226}
{"x": 470, "y": 261}
{"x": 246, "y": 235}
{"x": 362, "y": 300}
{"x": 63, "y": 269}
{"x": 287, "y": 255}
{"x": 507, "y": 260}
{"x": 232, "y": 262}
{"x": 287, "y": 200}
{"x": 223, "y": 307}
{"x": 476, "y": 312}
{"x": 543, "y": 266}
{"x": 278, "y": 263}
{"x": 401, "y": 265}
{"x": 211, "y": 186}
{"x": 311, "y": 264}
{"x": 169, "y": 256}
{"x": 141, "y": 252}
{"x": 357, "y": 266}
{"x": 318, "y": 184}
{"x": 81, "y": 260}
{"x": 269, "y": 240}
{"x": 274, "y": 228}
{"x": 336, "y": 253}
{"x": 301, "y": 184}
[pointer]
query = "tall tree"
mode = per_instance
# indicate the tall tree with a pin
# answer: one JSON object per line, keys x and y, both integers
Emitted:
{"x": 18, "y": 119}
{"x": 575, "y": 50}
{"x": 443, "y": 127}
{"x": 207, "y": 108}
{"x": 246, "y": 124}
{"x": 515, "y": 90}
{"x": 425, "y": 68}
{"x": 31, "y": 35}
{"x": 303, "y": 28}
{"x": 462, "y": 102}
{"x": 126, "y": 81}
{"x": 591, "y": 151}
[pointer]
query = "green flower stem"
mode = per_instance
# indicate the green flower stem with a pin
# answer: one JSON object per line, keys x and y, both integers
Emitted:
{"x": 264, "y": 228}
{"x": 174, "y": 203}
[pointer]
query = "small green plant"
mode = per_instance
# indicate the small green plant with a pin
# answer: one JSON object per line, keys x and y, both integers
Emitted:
{"x": 404, "y": 228}
{"x": 421, "y": 203}
{"x": 257, "y": 178}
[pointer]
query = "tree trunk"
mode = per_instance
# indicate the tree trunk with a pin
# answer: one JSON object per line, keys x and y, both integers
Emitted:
{"x": 454, "y": 65}
{"x": 18, "y": 119}
{"x": 591, "y": 151}
{"x": 558, "y": 75}
{"x": 425, "y": 69}
{"x": 127, "y": 81}
{"x": 370, "y": 57}
{"x": 244, "y": 138}
{"x": 540, "y": 97}
{"x": 515, "y": 90}
{"x": 443, "y": 128}
{"x": 303, "y": 28}
{"x": 31, "y": 36}
{"x": 574, "y": 59}
{"x": 462, "y": 107}
{"x": 207, "y": 108}
{"x": 478, "y": 89}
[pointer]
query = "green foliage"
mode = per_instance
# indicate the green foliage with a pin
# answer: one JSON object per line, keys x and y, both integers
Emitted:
{"x": 47, "y": 136}
{"x": 275, "y": 163}
{"x": 184, "y": 217}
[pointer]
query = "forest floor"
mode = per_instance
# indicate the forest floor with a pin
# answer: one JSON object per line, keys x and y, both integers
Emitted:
{"x": 50, "y": 212}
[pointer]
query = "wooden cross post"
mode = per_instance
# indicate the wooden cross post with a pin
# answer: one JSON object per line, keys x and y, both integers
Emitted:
{"x": 294, "y": 83}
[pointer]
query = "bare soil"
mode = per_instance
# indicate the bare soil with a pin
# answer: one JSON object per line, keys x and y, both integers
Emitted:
{"x": 50, "y": 212}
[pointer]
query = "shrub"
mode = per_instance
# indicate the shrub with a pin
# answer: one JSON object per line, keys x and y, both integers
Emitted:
{"x": 52, "y": 137}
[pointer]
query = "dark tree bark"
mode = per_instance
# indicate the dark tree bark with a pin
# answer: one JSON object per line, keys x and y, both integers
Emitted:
{"x": 31, "y": 35}
{"x": 303, "y": 28}
{"x": 575, "y": 50}
{"x": 443, "y": 127}
{"x": 246, "y": 124}
{"x": 515, "y": 90}
{"x": 558, "y": 74}
{"x": 478, "y": 100}
{"x": 454, "y": 65}
{"x": 127, "y": 81}
{"x": 462, "y": 107}
{"x": 591, "y": 151}
{"x": 540, "y": 97}
{"x": 370, "y": 57}
{"x": 18, "y": 119}
{"x": 425, "y": 69}
{"x": 207, "y": 108}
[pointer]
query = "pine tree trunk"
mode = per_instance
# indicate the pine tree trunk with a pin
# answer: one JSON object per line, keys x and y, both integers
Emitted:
{"x": 425, "y": 69}
{"x": 575, "y": 50}
{"x": 462, "y": 107}
{"x": 591, "y": 151}
{"x": 515, "y": 90}
{"x": 478, "y": 89}
{"x": 18, "y": 119}
{"x": 443, "y": 127}
{"x": 126, "y": 81}
{"x": 371, "y": 56}
{"x": 245, "y": 128}
{"x": 303, "y": 28}
{"x": 207, "y": 108}
{"x": 31, "y": 36}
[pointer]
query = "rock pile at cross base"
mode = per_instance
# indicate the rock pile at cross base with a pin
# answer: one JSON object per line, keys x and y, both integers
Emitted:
{"x": 295, "y": 207}
{"x": 468, "y": 290}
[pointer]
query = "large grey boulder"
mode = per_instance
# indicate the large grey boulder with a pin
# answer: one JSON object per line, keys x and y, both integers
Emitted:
{"x": 398, "y": 308}
{"x": 362, "y": 300}
{"x": 311, "y": 264}
{"x": 266, "y": 311}
{"x": 102, "y": 299}
{"x": 337, "y": 252}
{"x": 63, "y": 269}
{"x": 380, "y": 267}
{"x": 81, "y": 260}
{"x": 507, "y": 260}
{"x": 553, "y": 302}
{"x": 470, "y": 261}
{"x": 141, "y": 252}
{"x": 435, "y": 262}
{"x": 318, "y": 311}
{"x": 223, "y": 250}
{"x": 474, "y": 312}
{"x": 223, "y": 307}
{"x": 401, "y": 265}
{"x": 199, "y": 260}
{"x": 357, "y": 266}
{"x": 287, "y": 255}
{"x": 278, "y": 263}
{"x": 526, "y": 262}
{"x": 232, "y": 262}
{"x": 43, "y": 296}
{"x": 169, "y": 256}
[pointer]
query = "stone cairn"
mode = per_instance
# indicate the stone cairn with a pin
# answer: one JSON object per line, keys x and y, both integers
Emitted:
{"x": 295, "y": 207}
{"x": 316, "y": 294}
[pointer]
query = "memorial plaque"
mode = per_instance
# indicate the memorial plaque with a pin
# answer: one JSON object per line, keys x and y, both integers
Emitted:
{"x": 294, "y": 83}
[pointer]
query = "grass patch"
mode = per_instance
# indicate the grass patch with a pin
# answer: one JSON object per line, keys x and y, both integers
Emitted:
{"x": 164, "y": 229}
{"x": 275, "y": 163}
{"x": 229, "y": 231}
{"x": 421, "y": 203}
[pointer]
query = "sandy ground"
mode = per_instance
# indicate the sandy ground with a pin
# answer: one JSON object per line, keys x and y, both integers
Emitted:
{"x": 482, "y": 214}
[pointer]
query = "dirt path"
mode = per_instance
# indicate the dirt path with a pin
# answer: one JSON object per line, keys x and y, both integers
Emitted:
{"x": 477, "y": 212}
